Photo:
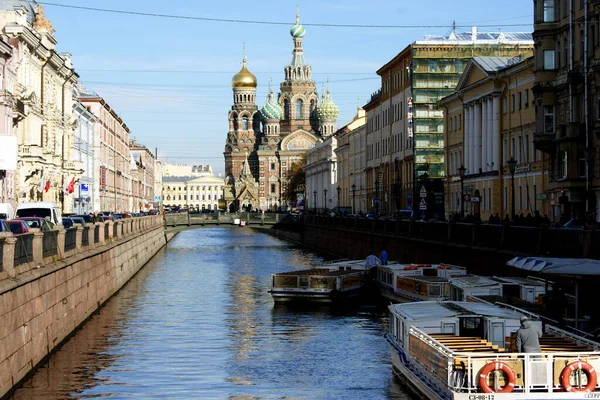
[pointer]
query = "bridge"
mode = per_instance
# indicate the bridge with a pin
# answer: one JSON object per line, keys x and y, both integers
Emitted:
{"x": 183, "y": 221}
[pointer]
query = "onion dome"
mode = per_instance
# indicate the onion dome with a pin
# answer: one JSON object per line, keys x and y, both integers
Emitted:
{"x": 244, "y": 78}
{"x": 327, "y": 109}
{"x": 297, "y": 30}
{"x": 272, "y": 110}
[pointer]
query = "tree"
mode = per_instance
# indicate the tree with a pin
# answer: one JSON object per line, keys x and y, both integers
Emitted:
{"x": 295, "y": 180}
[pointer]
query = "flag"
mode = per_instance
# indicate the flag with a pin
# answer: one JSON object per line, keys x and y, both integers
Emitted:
{"x": 70, "y": 188}
{"x": 42, "y": 184}
{"x": 47, "y": 185}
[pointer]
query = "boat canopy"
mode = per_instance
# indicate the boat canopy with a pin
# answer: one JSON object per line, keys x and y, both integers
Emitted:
{"x": 557, "y": 266}
{"x": 469, "y": 281}
{"x": 429, "y": 310}
{"x": 519, "y": 281}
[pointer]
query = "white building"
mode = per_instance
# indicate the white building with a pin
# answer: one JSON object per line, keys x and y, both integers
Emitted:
{"x": 8, "y": 137}
{"x": 321, "y": 176}
{"x": 84, "y": 194}
{"x": 201, "y": 193}
{"x": 175, "y": 170}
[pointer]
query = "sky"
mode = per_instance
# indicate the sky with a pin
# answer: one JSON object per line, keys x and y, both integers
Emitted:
{"x": 170, "y": 78}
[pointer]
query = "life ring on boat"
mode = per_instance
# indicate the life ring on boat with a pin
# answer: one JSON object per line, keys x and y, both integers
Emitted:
{"x": 443, "y": 267}
{"x": 590, "y": 372}
{"x": 422, "y": 265}
{"x": 410, "y": 268}
{"x": 494, "y": 366}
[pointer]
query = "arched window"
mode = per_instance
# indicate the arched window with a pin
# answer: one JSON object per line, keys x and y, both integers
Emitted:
{"x": 299, "y": 109}
{"x": 286, "y": 108}
{"x": 245, "y": 123}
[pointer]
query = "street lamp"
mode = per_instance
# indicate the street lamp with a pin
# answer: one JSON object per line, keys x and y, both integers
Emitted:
{"x": 512, "y": 166}
{"x": 461, "y": 172}
{"x": 339, "y": 191}
{"x": 325, "y": 200}
{"x": 315, "y": 197}
{"x": 353, "y": 197}
{"x": 376, "y": 198}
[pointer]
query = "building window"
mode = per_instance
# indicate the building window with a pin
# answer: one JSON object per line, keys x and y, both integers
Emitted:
{"x": 526, "y": 98}
{"x": 272, "y": 166}
{"x": 549, "y": 59}
{"x": 245, "y": 123}
{"x": 549, "y": 11}
{"x": 561, "y": 170}
{"x": 298, "y": 109}
{"x": 512, "y": 103}
{"x": 549, "y": 119}
{"x": 272, "y": 188}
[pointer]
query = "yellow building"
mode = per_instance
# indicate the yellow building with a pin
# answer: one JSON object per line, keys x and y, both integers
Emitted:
{"x": 489, "y": 120}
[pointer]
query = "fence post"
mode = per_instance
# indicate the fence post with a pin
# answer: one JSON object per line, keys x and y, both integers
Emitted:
{"x": 60, "y": 242}
{"x": 119, "y": 228}
{"x": 110, "y": 230}
{"x": 90, "y": 233}
{"x": 8, "y": 256}
{"x": 79, "y": 238}
{"x": 101, "y": 239}
{"x": 38, "y": 247}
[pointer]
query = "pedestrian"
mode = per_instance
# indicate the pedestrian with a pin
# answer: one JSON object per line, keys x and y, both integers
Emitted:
{"x": 372, "y": 261}
{"x": 383, "y": 256}
{"x": 528, "y": 337}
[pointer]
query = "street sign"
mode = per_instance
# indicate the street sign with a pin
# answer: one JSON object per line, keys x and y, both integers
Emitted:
{"x": 85, "y": 188}
{"x": 423, "y": 204}
{"x": 474, "y": 199}
{"x": 157, "y": 199}
{"x": 423, "y": 192}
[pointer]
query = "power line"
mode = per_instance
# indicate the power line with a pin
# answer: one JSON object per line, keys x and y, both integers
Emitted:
{"x": 243, "y": 21}
{"x": 159, "y": 71}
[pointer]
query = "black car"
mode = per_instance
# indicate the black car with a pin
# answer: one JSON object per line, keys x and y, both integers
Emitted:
{"x": 67, "y": 223}
{"x": 87, "y": 218}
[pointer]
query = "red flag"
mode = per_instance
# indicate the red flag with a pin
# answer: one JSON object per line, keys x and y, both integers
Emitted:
{"x": 71, "y": 186}
{"x": 47, "y": 187}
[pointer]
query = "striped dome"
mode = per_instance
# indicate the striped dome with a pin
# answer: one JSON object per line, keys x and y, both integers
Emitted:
{"x": 327, "y": 109}
{"x": 272, "y": 110}
{"x": 297, "y": 30}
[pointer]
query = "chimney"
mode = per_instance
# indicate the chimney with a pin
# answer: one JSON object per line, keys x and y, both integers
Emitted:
{"x": 474, "y": 33}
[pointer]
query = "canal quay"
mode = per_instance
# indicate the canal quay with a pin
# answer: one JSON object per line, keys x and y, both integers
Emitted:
{"x": 197, "y": 322}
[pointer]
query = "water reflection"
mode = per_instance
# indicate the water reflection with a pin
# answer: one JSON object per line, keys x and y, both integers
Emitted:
{"x": 198, "y": 323}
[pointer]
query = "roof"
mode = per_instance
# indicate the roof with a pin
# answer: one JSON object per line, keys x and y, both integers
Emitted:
{"x": 475, "y": 37}
{"x": 495, "y": 64}
{"x": 11, "y": 5}
{"x": 557, "y": 266}
{"x": 427, "y": 310}
{"x": 469, "y": 281}
{"x": 519, "y": 280}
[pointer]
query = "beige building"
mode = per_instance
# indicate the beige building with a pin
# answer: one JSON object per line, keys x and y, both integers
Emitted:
{"x": 142, "y": 177}
{"x": 489, "y": 120}
{"x": 351, "y": 156}
{"x": 8, "y": 135}
{"x": 111, "y": 156}
{"x": 202, "y": 193}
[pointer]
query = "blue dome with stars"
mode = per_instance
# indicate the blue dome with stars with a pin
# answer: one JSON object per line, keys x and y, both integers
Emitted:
{"x": 327, "y": 109}
{"x": 297, "y": 30}
{"x": 272, "y": 110}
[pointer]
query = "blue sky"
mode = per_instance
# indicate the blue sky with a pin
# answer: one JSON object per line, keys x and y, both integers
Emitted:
{"x": 170, "y": 79}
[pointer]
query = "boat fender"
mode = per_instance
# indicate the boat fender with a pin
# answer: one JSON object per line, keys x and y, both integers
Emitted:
{"x": 497, "y": 366}
{"x": 588, "y": 370}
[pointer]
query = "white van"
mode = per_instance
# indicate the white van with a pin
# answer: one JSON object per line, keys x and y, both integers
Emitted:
{"x": 6, "y": 211}
{"x": 41, "y": 209}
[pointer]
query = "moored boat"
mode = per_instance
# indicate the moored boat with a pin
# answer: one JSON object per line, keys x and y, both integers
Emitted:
{"x": 465, "y": 351}
{"x": 328, "y": 283}
{"x": 413, "y": 282}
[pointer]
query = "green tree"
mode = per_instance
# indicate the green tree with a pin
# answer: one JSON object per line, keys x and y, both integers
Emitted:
{"x": 295, "y": 179}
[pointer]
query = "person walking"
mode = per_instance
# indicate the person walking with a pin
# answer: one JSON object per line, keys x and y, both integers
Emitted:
{"x": 528, "y": 337}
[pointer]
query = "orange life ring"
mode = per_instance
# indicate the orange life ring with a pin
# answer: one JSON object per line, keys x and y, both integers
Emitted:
{"x": 443, "y": 267}
{"x": 494, "y": 366}
{"x": 590, "y": 372}
{"x": 410, "y": 268}
{"x": 422, "y": 265}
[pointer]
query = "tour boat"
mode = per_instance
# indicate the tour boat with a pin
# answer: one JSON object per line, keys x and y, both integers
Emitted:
{"x": 466, "y": 351}
{"x": 413, "y": 282}
{"x": 327, "y": 283}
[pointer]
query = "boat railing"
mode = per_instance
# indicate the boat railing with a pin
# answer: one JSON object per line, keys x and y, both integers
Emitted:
{"x": 528, "y": 372}
{"x": 576, "y": 337}
{"x": 433, "y": 355}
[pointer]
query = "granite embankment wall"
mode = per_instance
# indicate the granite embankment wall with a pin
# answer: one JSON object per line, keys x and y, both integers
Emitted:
{"x": 44, "y": 300}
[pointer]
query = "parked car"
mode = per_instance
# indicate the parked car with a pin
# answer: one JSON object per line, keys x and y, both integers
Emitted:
{"x": 78, "y": 220}
{"x": 4, "y": 226}
{"x": 87, "y": 218}
{"x": 6, "y": 211}
{"x": 68, "y": 222}
{"x": 40, "y": 209}
{"x": 17, "y": 226}
{"x": 37, "y": 222}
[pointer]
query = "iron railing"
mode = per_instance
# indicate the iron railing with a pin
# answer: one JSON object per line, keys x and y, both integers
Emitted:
{"x": 50, "y": 243}
{"x": 71, "y": 239}
{"x": 85, "y": 238}
{"x": 96, "y": 233}
{"x": 23, "y": 249}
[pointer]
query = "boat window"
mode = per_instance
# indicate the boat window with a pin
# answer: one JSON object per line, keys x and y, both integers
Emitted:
{"x": 434, "y": 290}
{"x": 429, "y": 272}
{"x": 303, "y": 281}
{"x": 471, "y": 326}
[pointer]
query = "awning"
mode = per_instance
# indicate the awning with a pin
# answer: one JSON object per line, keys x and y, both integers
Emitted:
{"x": 557, "y": 266}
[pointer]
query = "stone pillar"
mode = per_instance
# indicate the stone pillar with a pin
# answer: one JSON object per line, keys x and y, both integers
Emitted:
{"x": 78, "y": 238}
{"x": 484, "y": 134}
{"x": 60, "y": 242}
{"x": 8, "y": 256}
{"x": 491, "y": 146}
{"x": 119, "y": 228}
{"x": 101, "y": 239}
{"x": 477, "y": 138}
{"x": 38, "y": 247}
{"x": 496, "y": 133}
{"x": 469, "y": 144}
{"x": 110, "y": 224}
{"x": 90, "y": 234}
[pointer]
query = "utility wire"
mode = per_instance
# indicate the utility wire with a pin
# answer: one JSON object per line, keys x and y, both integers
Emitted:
{"x": 243, "y": 21}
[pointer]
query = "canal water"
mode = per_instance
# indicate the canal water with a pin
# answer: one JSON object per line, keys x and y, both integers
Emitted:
{"x": 197, "y": 323}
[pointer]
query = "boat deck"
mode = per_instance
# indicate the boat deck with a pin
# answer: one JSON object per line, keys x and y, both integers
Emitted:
{"x": 472, "y": 344}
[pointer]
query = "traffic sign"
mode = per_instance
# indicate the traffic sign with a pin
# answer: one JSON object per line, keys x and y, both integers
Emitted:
{"x": 423, "y": 204}
{"x": 423, "y": 191}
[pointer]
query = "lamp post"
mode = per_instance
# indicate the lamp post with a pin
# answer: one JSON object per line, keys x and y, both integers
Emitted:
{"x": 353, "y": 197}
{"x": 339, "y": 191}
{"x": 315, "y": 197}
{"x": 512, "y": 166}
{"x": 461, "y": 172}
{"x": 376, "y": 198}
{"x": 325, "y": 199}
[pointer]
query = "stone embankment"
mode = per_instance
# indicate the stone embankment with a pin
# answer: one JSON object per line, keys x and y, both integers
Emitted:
{"x": 52, "y": 282}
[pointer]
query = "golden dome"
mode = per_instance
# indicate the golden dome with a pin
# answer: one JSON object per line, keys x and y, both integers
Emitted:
{"x": 244, "y": 78}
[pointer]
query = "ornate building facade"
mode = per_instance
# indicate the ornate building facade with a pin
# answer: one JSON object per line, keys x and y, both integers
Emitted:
{"x": 262, "y": 145}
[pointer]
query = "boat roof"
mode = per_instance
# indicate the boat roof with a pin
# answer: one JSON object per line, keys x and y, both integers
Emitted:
{"x": 519, "y": 280}
{"x": 425, "y": 278}
{"x": 397, "y": 266}
{"x": 427, "y": 310}
{"x": 319, "y": 272}
{"x": 468, "y": 281}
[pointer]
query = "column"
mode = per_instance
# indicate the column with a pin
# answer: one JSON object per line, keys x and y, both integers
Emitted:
{"x": 484, "y": 134}
{"x": 496, "y": 132}
{"x": 467, "y": 140}
{"x": 8, "y": 256}
{"x": 472, "y": 133}
{"x": 477, "y": 137}
{"x": 38, "y": 247}
{"x": 490, "y": 142}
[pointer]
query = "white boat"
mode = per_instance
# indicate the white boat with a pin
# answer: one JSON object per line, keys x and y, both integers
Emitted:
{"x": 327, "y": 283}
{"x": 464, "y": 351}
{"x": 414, "y": 282}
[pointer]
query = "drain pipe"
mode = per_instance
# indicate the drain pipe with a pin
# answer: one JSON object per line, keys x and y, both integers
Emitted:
{"x": 587, "y": 150}
{"x": 570, "y": 60}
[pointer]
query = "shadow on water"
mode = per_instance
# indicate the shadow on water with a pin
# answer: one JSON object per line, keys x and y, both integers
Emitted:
{"x": 198, "y": 323}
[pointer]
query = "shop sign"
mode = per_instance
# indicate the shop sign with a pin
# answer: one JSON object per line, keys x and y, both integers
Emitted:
{"x": 541, "y": 196}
